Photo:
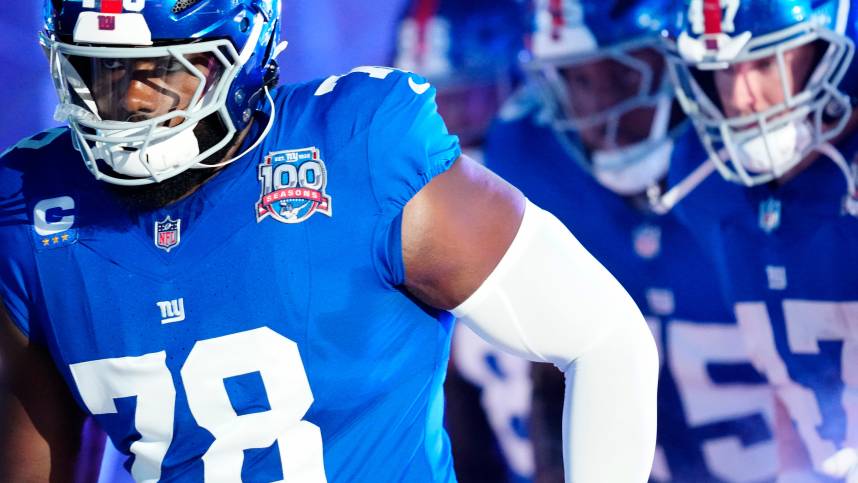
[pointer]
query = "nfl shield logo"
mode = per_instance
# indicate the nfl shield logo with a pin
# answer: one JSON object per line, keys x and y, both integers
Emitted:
{"x": 168, "y": 234}
{"x": 770, "y": 215}
{"x": 647, "y": 241}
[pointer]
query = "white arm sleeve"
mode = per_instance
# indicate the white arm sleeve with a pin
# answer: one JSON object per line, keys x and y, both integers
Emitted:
{"x": 549, "y": 300}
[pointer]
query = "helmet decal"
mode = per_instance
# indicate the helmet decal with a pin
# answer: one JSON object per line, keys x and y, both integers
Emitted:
{"x": 712, "y": 17}
{"x": 115, "y": 6}
{"x": 712, "y": 23}
{"x": 561, "y": 29}
{"x": 468, "y": 51}
{"x": 424, "y": 41}
{"x": 558, "y": 21}
{"x": 109, "y": 25}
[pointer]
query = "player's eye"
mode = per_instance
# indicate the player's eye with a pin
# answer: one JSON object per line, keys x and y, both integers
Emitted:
{"x": 766, "y": 63}
{"x": 173, "y": 66}
{"x": 112, "y": 64}
{"x": 579, "y": 80}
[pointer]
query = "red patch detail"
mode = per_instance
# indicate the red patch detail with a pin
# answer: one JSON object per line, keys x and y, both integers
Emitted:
{"x": 712, "y": 16}
{"x": 558, "y": 21}
{"x": 111, "y": 6}
{"x": 424, "y": 10}
{"x": 106, "y": 22}
{"x": 711, "y": 44}
{"x": 167, "y": 239}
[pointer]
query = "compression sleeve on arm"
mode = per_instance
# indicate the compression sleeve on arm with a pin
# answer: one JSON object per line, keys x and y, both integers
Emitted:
{"x": 549, "y": 300}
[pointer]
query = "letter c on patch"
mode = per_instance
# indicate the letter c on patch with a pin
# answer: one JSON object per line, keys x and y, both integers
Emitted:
{"x": 57, "y": 209}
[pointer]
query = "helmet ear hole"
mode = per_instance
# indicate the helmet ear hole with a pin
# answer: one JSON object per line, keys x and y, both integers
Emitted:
{"x": 271, "y": 77}
{"x": 271, "y": 70}
{"x": 182, "y": 5}
{"x": 834, "y": 111}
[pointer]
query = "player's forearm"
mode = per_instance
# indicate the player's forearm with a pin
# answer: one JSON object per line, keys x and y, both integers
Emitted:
{"x": 39, "y": 423}
{"x": 550, "y": 300}
{"x": 609, "y": 414}
{"x": 25, "y": 455}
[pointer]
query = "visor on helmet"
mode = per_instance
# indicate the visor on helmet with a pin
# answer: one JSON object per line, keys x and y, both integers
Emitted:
{"x": 134, "y": 109}
{"x": 139, "y": 89}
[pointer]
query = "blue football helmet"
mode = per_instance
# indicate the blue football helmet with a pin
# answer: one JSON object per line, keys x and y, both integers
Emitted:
{"x": 209, "y": 60}
{"x": 716, "y": 38}
{"x": 626, "y": 96}
{"x": 468, "y": 51}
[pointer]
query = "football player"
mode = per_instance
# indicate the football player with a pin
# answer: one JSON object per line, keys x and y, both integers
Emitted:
{"x": 247, "y": 283}
{"x": 771, "y": 89}
{"x": 468, "y": 51}
{"x": 589, "y": 138}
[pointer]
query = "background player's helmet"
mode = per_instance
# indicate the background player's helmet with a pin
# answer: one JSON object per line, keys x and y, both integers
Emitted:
{"x": 222, "y": 50}
{"x": 619, "y": 35}
{"x": 712, "y": 35}
{"x": 469, "y": 51}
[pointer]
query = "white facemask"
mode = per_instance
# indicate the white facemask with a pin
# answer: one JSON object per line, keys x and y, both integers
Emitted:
{"x": 787, "y": 143}
{"x": 632, "y": 169}
{"x": 161, "y": 155}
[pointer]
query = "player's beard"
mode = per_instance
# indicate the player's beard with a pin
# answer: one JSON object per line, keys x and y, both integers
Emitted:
{"x": 149, "y": 197}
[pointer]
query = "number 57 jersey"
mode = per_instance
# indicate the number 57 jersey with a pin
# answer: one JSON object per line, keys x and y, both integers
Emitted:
{"x": 255, "y": 330}
{"x": 787, "y": 258}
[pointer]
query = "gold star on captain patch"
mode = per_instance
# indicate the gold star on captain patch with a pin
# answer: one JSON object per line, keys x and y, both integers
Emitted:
{"x": 56, "y": 240}
{"x": 65, "y": 237}
{"x": 46, "y": 242}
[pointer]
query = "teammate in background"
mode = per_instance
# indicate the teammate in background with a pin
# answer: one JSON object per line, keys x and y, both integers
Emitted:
{"x": 771, "y": 89}
{"x": 241, "y": 283}
{"x": 468, "y": 51}
{"x": 590, "y": 137}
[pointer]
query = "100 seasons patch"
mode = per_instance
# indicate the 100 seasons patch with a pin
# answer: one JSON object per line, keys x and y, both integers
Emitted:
{"x": 293, "y": 186}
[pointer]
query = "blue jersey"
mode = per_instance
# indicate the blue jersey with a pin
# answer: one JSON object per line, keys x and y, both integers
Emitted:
{"x": 786, "y": 257}
{"x": 714, "y": 408}
{"x": 256, "y": 330}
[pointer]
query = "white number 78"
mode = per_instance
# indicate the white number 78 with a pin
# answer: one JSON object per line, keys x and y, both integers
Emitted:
{"x": 262, "y": 350}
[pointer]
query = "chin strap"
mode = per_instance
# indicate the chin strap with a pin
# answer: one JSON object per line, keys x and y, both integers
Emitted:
{"x": 258, "y": 140}
{"x": 277, "y": 51}
{"x": 662, "y": 203}
{"x": 850, "y": 204}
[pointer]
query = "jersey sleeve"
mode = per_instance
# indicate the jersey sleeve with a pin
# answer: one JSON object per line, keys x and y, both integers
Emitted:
{"x": 408, "y": 146}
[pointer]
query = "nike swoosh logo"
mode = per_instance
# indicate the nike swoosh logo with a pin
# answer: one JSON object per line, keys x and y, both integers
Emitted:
{"x": 418, "y": 88}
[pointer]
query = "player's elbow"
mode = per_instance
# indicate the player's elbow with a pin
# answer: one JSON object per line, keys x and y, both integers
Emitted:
{"x": 632, "y": 340}
{"x": 630, "y": 350}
